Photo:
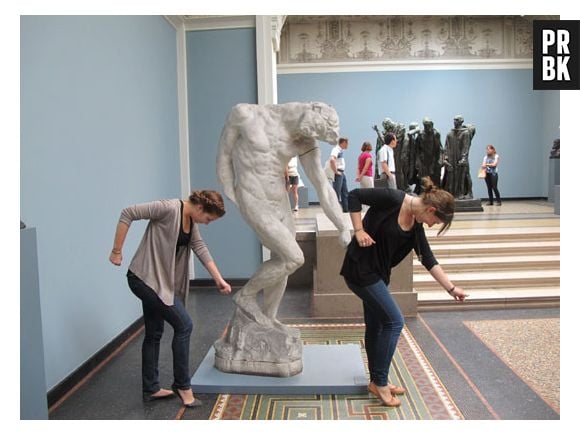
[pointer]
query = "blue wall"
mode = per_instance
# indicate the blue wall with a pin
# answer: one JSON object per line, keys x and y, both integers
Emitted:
{"x": 221, "y": 72}
{"x": 99, "y": 131}
{"x": 519, "y": 122}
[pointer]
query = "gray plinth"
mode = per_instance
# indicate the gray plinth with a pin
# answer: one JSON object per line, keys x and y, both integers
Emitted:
{"x": 468, "y": 205}
{"x": 33, "y": 403}
{"x": 328, "y": 369}
{"x": 553, "y": 178}
{"x": 331, "y": 297}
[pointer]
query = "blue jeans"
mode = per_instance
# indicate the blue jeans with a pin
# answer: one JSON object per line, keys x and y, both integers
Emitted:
{"x": 384, "y": 323}
{"x": 155, "y": 312}
{"x": 339, "y": 185}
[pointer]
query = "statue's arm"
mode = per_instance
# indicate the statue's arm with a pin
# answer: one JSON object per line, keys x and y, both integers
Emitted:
{"x": 224, "y": 164}
{"x": 311, "y": 164}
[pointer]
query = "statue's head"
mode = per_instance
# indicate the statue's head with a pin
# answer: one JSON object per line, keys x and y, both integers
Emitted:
{"x": 413, "y": 125}
{"x": 427, "y": 124}
{"x": 319, "y": 121}
{"x": 458, "y": 121}
{"x": 388, "y": 124}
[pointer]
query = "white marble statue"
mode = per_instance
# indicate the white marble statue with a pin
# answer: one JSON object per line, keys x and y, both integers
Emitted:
{"x": 255, "y": 147}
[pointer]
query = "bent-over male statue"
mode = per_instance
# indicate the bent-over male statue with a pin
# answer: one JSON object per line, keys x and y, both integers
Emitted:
{"x": 256, "y": 144}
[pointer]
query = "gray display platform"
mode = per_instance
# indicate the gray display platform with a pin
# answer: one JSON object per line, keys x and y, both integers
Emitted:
{"x": 328, "y": 369}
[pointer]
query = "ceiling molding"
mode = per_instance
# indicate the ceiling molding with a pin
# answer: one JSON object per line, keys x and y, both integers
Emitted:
{"x": 335, "y": 67}
{"x": 212, "y": 22}
{"x": 277, "y": 25}
{"x": 175, "y": 20}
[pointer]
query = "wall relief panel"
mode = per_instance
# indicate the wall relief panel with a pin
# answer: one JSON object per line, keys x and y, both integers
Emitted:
{"x": 319, "y": 39}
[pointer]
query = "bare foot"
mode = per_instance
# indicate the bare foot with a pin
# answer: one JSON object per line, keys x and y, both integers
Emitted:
{"x": 249, "y": 305}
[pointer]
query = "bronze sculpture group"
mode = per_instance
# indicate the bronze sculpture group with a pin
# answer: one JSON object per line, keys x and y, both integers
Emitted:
{"x": 421, "y": 153}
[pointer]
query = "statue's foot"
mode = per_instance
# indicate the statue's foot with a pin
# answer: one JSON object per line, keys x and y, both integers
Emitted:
{"x": 249, "y": 305}
{"x": 291, "y": 332}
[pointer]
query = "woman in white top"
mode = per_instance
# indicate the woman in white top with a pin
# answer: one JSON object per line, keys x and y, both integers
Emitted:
{"x": 490, "y": 164}
{"x": 293, "y": 180}
{"x": 386, "y": 160}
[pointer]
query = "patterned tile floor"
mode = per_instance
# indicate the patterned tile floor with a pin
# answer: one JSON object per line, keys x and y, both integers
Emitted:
{"x": 426, "y": 397}
{"x": 468, "y": 352}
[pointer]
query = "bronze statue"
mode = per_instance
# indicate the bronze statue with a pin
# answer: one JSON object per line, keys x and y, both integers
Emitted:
{"x": 457, "y": 145}
{"x": 429, "y": 150}
{"x": 399, "y": 131}
{"x": 555, "y": 151}
{"x": 409, "y": 158}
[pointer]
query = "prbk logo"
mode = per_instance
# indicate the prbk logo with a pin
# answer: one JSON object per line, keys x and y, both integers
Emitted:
{"x": 556, "y": 55}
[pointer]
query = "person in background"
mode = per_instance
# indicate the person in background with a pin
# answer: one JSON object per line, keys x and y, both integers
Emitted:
{"x": 386, "y": 159}
{"x": 293, "y": 179}
{"x": 338, "y": 165}
{"x": 391, "y": 228}
{"x": 490, "y": 164}
{"x": 364, "y": 172}
{"x": 158, "y": 275}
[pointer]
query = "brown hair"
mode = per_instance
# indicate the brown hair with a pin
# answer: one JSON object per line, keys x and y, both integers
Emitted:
{"x": 366, "y": 146}
{"x": 492, "y": 148}
{"x": 211, "y": 201}
{"x": 442, "y": 200}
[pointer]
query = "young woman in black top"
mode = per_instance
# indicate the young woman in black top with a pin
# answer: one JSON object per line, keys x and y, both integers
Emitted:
{"x": 392, "y": 226}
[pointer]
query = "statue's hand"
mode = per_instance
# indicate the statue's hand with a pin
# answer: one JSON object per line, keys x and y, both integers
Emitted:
{"x": 345, "y": 237}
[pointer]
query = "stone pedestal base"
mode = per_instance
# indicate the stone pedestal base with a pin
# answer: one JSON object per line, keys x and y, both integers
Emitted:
{"x": 332, "y": 298}
{"x": 254, "y": 349}
{"x": 468, "y": 205}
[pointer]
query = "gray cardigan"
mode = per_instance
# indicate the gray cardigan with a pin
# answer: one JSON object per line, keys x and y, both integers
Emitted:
{"x": 156, "y": 262}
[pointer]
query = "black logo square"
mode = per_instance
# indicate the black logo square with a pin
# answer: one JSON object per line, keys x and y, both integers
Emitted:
{"x": 556, "y": 55}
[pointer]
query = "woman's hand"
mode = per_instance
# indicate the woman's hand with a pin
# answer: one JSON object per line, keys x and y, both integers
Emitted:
{"x": 223, "y": 287}
{"x": 363, "y": 239}
{"x": 458, "y": 294}
{"x": 116, "y": 258}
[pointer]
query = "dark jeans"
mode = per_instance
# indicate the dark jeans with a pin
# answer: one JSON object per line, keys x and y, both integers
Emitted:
{"x": 491, "y": 182}
{"x": 384, "y": 323}
{"x": 155, "y": 312}
{"x": 339, "y": 185}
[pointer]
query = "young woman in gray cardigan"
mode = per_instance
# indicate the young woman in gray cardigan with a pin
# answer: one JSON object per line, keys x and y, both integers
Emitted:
{"x": 159, "y": 276}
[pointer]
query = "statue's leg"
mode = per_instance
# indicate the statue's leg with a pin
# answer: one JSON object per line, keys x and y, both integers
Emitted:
{"x": 469, "y": 188}
{"x": 272, "y": 275}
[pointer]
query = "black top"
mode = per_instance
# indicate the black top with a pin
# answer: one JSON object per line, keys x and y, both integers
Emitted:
{"x": 365, "y": 266}
{"x": 183, "y": 238}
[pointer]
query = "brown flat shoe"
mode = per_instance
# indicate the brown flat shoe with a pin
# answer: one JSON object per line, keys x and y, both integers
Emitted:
{"x": 392, "y": 402}
{"x": 394, "y": 389}
{"x": 397, "y": 390}
{"x": 159, "y": 395}
{"x": 194, "y": 404}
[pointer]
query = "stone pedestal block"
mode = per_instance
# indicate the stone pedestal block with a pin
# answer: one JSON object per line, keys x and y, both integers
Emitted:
{"x": 332, "y": 298}
{"x": 468, "y": 205}
{"x": 251, "y": 348}
{"x": 553, "y": 178}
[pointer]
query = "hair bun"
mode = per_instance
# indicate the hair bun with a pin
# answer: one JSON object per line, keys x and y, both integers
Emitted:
{"x": 427, "y": 184}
